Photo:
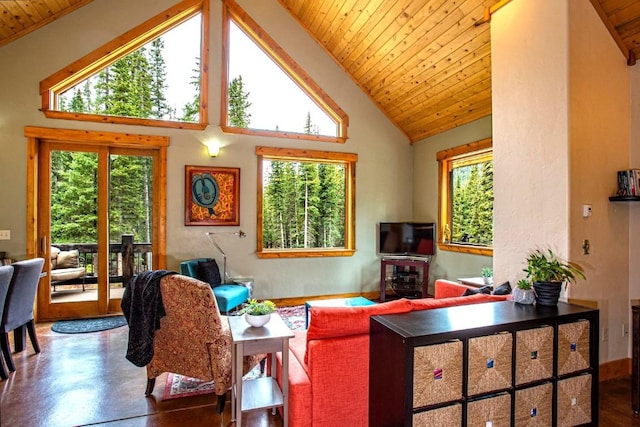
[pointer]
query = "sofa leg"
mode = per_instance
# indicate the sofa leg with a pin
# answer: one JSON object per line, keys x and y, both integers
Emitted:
{"x": 151, "y": 383}
{"x": 222, "y": 400}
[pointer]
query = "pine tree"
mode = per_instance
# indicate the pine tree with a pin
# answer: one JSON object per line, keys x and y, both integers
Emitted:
{"x": 158, "y": 70}
{"x": 238, "y": 104}
{"x": 191, "y": 111}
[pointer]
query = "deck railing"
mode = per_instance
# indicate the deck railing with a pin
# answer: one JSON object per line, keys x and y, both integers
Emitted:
{"x": 126, "y": 259}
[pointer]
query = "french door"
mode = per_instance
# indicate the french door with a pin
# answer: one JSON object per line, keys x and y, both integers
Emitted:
{"x": 99, "y": 219}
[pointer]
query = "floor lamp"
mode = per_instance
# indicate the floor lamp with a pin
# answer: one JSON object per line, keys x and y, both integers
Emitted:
{"x": 211, "y": 236}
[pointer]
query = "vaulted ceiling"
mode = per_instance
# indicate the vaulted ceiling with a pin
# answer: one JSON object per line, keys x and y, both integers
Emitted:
{"x": 425, "y": 63}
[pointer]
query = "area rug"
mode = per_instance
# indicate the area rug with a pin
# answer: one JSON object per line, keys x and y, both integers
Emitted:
{"x": 181, "y": 386}
{"x": 82, "y": 326}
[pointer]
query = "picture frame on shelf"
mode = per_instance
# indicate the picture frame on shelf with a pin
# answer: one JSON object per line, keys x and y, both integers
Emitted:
{"x": 211, "y": 195}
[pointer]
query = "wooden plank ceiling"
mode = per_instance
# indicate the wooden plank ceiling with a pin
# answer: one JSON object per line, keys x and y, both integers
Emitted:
{"x": 425, "y": 63}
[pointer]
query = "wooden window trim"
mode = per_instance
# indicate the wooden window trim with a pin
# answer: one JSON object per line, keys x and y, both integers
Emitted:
{"x": 232, "y": 11}
{"x": 446, "y": 159}
{"x": 349, "y": 161}
{"x": 119, "y": 47}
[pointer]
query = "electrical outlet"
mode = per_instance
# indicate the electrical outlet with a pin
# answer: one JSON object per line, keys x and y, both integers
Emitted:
{"x": 625, "y": 330}
{"x": 605, "y": 334}
{"x": 5, "y": 234}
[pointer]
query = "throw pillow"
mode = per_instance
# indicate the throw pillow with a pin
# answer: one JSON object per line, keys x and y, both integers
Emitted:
{"x": 209, "y": 272}
{"x": 68, "y": 259}
{"x": 504, "y": 289}
{"x": 482, "y": 290}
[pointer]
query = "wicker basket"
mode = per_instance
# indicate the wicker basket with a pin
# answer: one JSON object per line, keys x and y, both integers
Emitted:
{"x": 534, "y": 354}
{"x": 574, "y": 401}
{"x": 489, "y": 363}
{"x": 437, "y": 373}
{"x": 447, "y": 416}
{"x": 495, "y": 410}
{"x": 573, "y": 347}
{"x": 533, "y": 406}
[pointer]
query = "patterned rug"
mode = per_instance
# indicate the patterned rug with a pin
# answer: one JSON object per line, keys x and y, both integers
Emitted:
{"x": 180, "y": 386}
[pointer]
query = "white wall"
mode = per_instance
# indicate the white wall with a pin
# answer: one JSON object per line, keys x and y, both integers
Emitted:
{"x": 561, "y": 122}
{"x": 599, "y": 147}
{"x": 446, "y": 264}
{"x": 529, "y": 50}
{"x": 383, "y": 172}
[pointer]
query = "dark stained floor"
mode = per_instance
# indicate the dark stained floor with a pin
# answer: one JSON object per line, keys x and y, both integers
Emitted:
{"x": 84, "y": 379}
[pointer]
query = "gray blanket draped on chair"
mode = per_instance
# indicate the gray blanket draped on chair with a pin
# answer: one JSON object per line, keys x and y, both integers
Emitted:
{"x": 142, "y": 307}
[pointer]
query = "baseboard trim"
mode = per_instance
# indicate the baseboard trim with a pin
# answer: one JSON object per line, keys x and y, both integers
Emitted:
{"x": 615, "y": 369}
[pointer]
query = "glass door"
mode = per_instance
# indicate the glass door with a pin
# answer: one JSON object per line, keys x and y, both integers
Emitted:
{"x": 130, "y": 217}
{"x": 96, "y": 225}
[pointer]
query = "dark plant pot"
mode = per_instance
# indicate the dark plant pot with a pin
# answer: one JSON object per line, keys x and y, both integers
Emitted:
{"x": 547, "y": 293}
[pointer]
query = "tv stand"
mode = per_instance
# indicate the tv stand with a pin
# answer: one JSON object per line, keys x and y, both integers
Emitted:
{"x": 407, "y": 276}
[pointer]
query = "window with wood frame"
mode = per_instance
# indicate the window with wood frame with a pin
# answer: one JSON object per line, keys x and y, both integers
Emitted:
{"x": 306, "y": 203}
{"x": 153, "y": 75}
{"x": 265, "y": 92}
{"x": 466, "y": 198}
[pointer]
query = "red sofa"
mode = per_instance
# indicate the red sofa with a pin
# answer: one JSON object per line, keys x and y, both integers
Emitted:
{"x": 329, "y": 362}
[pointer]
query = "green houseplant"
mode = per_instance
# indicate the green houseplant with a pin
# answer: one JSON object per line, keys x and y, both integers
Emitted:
{"x": 257, "y": 313}
{"x": 547, "y": 273}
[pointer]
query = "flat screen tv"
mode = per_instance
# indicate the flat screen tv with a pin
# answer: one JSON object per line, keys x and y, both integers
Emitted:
{"x": 406, "y": 238}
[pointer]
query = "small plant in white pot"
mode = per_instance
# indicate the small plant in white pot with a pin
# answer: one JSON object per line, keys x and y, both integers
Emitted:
{"x": 524, "y": 293}
{"x": 257, "y": 313}
{"x": 487, "y": 275}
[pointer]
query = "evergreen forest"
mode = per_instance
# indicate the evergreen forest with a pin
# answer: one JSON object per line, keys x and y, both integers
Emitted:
{"x": 472, "y": 211}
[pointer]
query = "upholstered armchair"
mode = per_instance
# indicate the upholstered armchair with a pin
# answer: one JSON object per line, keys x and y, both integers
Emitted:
{"x": 194, "y": 339}
{"x": 228, "y": 295}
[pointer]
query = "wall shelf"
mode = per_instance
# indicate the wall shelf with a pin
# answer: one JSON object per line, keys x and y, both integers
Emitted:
{"x": 624, "y": 199}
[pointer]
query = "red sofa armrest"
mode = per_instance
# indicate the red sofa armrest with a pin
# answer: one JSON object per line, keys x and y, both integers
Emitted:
{"x": 447, "y": 289}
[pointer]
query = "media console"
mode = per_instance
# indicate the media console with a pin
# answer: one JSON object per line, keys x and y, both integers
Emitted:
{"x": 407, "y": 276}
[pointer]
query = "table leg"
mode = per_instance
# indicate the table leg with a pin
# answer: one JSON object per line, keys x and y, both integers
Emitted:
{"x": 238, "y": 380}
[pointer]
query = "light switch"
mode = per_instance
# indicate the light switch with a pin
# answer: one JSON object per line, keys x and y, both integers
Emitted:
{"x": 5, "y": 234}
{"x": 586, "y": 211}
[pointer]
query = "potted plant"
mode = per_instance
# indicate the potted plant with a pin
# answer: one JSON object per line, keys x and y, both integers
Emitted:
{"x": 524, "y": 293}
{"x": 257, "y": 313}
{"x": 548, "y": 273}
{"x": 487, "y": 275}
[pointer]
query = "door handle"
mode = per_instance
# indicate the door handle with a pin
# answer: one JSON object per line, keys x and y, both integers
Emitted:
{"x": 43, "y": 245}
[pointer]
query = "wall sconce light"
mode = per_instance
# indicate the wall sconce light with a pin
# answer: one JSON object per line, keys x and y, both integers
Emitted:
{"x": 213, "y": 147}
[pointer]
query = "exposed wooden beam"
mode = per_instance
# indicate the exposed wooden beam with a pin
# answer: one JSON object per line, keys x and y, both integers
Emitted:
{"x": 628, "y": 53}
{"x": 488, "y": 11}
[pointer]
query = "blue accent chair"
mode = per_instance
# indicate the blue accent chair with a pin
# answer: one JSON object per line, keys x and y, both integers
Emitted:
{"x": 228, "y": 295}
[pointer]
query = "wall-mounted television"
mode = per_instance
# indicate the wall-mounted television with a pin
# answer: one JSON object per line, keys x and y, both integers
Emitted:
{"x": 406, "y": 238}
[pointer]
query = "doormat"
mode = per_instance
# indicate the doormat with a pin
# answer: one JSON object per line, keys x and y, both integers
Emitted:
{"x": 82, "y": 326}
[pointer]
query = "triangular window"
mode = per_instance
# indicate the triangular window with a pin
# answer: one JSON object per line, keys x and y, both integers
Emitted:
{"x": 151, "y": 75}
{"x": 266, "y": 93}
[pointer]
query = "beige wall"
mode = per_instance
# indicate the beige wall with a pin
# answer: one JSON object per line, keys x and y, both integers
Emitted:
{"x": 561, "y": 119}
{"x": 446, "y": 264}
{"x": 599, "y": 147}
{"x": 383, "y": 172}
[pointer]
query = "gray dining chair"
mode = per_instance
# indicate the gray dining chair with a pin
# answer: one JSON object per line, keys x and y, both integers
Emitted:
{"x": 18, "y": 308}
{"x": 6, "y": 271}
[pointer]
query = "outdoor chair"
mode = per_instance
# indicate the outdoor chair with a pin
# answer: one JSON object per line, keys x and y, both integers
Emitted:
{"x": 194, "y": 339}
{"x": 6, "y": 271}
{"x": 228, "y": 295}
{"x": 18, "y": 308}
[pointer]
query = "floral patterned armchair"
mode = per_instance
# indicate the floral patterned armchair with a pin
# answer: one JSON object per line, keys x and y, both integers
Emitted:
{"x": 194, "y": 339}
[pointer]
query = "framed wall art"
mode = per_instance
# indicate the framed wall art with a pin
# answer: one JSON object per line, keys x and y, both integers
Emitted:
{"x": 211, "y": 196}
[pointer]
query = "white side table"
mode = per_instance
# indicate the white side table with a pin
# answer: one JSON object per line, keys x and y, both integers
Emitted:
{"x": 262, "y": 392}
